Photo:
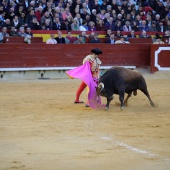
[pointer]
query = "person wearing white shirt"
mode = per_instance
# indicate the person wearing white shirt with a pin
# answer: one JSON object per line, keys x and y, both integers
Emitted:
{"x": 51, "y": 40}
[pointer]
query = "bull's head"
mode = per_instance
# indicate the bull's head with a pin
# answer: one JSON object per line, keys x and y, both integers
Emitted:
{"x": 100, "y": 89}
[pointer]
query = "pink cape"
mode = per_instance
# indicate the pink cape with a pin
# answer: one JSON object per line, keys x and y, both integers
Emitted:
{"x": 83, "y": 73}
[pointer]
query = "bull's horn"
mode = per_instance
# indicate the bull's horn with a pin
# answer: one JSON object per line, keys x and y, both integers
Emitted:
{"x": 101, "y": 86}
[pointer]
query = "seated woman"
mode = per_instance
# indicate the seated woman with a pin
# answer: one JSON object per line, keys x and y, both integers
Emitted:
{"x": 91, "y": 26}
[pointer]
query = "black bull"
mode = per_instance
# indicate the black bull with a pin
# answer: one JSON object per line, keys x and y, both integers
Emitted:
{"x": 120, "y": 80}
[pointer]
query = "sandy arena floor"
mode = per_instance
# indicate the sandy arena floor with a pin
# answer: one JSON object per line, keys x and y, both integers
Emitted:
{"x": 41, "y": 128}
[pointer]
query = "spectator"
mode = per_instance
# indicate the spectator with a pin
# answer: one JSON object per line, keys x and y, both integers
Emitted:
{"x": 6, "y": 6}
{"x": 133, "y": 15}
{"x": 28, "y": 31}
{"x": 109, "y": 9}
{"x": 92, "y": 34}
{"x": 11, "y": 13}
{"x": 109, "y": 32}
{"x": 110, "y": 24}
{"x": 66, "y": 25}
{"x": 84, "y": 26}
{"x": 149, "y": 20}
{"x": 1, "y": 38}
{"x": 79, "y": 40}
{"x": 134, "y": 26}
{"x": 70, "y": 37}
{"x": 84, "y": 36}
{"x": 22, "y": 20}
{"x": 21, "y": 32}
{"x": 132, "y": 34}
{"x": 4, "y": 32}
{"x": 60, "y": 39}
{"x": 7, "y": 24}
{"x": 164, "y": 12}
{"x": 75, "y": 25}
{"x": 102, "y": 14}
{"x": 114, "y": 15}
{"x": 18, "y": 10}
{"x": 143, "y": 26}
{"x": 34, "y": 24}
{"x": 13, "y": 32}
{"x": 111, "y": 39}
{"x": 161, "y": 26}
{"x": 154, "y": 27}
{"x": 144, "y": 35}
{"x": 93, "y": 15}
{"x": 83, "y": 13}
{"x": 118, "y": 26}
{"x": 128, "y": 18}
{"x": 30, "y": 16}
{"x": 100, "y": 25}
{"x": 56, "y": 24}
{"x": 91, "y": 26}
{"x": 16, "y": 23}
{"x": 45, "y": 17}
{"x": 167, "y": 27}
{"x": 127, "y": 27}
{"x": 66, "y": 14}
{"x": 118, "y": 34}
{"x": 38, "y": 13}
{"x": 157, "y": 18}
{"x": 88, "y": 19}
{"x": 122, "y": 41}
{"x": 103, "y": 6}
{"x": 95, "y": 39}
{"x": 79, "y": 19}
{"x": 167, "y": 34}
{"x": 58, "y": 13}
{"x": 47, "y": 25}
{"x": 2, "y": 18}
{"x": 119, "y": 17}
{"x": 107, "y": 17}
{"x": 51, "y": 40}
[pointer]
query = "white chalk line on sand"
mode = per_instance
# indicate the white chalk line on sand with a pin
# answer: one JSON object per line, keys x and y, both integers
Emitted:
{"x": 118, "y": 143}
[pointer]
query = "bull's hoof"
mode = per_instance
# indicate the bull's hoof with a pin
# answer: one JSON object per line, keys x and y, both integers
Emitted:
{"x": 122, "y": 108}
{"x": 106, "y": 108}
{"x": 152, "y": 104}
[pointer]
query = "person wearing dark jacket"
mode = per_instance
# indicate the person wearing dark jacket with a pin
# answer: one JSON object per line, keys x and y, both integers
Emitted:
{"x": 60, "y": 39}
{"x": 34, "y": 24}
{"x": 65, "y": 25}
{"x": 95, "y": 39}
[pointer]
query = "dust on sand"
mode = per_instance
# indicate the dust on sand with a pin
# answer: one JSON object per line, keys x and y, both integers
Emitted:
{"x": 41, "y": 128}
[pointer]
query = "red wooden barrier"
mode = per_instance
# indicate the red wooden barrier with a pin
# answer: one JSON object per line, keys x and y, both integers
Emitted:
{"x": 69, "y": 55}
{"x": 160, "y": 57}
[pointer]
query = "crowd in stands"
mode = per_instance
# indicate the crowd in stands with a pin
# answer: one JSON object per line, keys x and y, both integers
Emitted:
{"x": 19, "y": 17}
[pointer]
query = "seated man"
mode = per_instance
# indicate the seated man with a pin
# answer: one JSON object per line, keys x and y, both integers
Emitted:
{"x": 95, "y": 39}
{"x": 60, "y": 39}
{"x": 79, "y": 41}
{"x": 122, "y": 41}
{"x": 13, "y": 32}
{"x": 111, "y": 39}
{"x": 132, "y": 34}
{"x": 144, "y": 35}
{"x": 21, "y": 33}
